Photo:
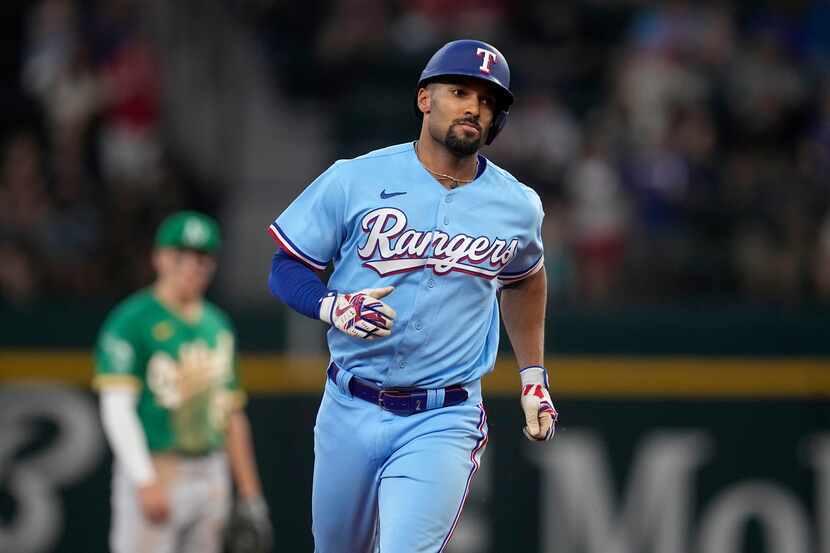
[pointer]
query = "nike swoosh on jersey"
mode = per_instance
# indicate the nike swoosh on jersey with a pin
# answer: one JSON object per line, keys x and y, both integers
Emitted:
{"x": 384, "y": 195}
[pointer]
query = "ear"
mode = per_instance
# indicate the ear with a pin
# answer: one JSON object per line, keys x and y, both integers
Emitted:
{"x": 162, "y": 260}
{"x": 156, "y": 259}
{"x": 424, "y": 100}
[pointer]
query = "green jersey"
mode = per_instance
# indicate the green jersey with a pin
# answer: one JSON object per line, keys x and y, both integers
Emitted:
{"x": 184, "y": 371}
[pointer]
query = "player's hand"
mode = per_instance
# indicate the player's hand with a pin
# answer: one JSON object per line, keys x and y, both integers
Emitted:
{"x": 540, "y": 415}
{"x": 359, "y": 314}
{"x": 154, "y": 502}
{"x": 249, "y": 528}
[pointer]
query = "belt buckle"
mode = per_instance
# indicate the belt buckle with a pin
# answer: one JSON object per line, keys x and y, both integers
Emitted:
{"x": 402, "y": 402}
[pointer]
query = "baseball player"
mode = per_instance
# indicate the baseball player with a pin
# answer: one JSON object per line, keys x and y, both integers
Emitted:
{"x": 424, "y": 237}
{"x": 171, "y": 405}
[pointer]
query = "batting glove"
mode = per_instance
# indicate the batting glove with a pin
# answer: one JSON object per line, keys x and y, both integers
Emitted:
{"x": 359, "y": 314}
{"x": 540, "y": 415}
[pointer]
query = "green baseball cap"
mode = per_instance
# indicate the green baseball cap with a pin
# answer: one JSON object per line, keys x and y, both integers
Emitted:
{"x": 189, "y": 229}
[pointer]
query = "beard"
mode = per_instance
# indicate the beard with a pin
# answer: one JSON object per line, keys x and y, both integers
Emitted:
{"x": 459, "y": 144}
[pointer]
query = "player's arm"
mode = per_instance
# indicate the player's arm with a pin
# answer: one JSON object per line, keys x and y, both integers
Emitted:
{"x": 309, "y": 234}
{"x": 252, "y": 506}
{"x": 116, "y": 379}
{"x": 125, "y": 434}
{"x": 359, "y": 314}
{"x": 241, "y": 455}
{"x": 129, "y": 446}
{"x": 523, "y": 312}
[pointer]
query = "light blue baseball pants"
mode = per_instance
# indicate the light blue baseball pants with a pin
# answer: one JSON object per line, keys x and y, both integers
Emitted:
{"x": 385, "y": 483}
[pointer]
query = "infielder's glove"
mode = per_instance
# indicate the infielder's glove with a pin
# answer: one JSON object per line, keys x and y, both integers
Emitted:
{"x": 540, "y": 415}
{"x": 249, "y": 528}
{"x": 359, "y": 314}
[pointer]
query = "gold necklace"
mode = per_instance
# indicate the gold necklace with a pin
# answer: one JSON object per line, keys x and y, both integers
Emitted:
{"x": 455, "y": 181}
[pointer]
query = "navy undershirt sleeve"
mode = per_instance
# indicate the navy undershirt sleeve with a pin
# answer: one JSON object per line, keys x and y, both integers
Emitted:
{"x": 296, "y": 284}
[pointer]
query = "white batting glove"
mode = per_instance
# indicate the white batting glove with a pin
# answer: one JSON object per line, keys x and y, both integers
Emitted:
{"x": 359, "y": 314}
{"x": 540, "y": 415}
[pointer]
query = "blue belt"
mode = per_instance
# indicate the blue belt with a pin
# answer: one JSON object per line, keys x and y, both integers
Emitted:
{"x": 401, "y": 401}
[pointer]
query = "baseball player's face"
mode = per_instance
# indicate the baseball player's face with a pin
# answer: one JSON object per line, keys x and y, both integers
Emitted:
{"x": 189, "y": 272}
{"x": 460, "y": 114}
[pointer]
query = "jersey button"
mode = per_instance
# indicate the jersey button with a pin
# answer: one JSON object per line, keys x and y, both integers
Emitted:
{"x": 448, "y": 199}
{"x": 402, "y": 364}
{"x": 446, "y": 221}
{"x": 431, "y": 283}
{"x": 419, "y": 325}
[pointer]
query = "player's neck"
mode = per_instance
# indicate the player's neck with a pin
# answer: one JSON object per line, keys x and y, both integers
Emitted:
{"x": 187, "y": 308}
{"x": 448, "y": 169}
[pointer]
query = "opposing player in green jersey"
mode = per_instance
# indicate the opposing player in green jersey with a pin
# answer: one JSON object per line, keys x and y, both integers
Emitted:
{"x": 171, "y": 404}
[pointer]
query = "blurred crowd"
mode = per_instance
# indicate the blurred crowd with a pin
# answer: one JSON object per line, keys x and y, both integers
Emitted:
{"x": 687, "y": 156}
{"x": 681, "y": 148}
{"x": 85, "y": 175}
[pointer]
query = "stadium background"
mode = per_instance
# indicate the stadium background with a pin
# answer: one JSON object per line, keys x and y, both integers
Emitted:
{"x": 681, "y": 150}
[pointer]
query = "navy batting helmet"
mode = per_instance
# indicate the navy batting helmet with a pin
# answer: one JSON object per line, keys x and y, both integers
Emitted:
{"x": 477, "y": 59}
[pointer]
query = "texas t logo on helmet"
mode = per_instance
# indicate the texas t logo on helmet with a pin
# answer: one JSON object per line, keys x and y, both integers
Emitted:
{"x": 489, "y": 59}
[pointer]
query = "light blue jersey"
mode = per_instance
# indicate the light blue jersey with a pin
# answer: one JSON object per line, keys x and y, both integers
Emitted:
{"x": 383, "y": 220}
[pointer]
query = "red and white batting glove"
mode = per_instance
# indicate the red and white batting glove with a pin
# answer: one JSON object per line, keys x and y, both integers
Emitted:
{"x": 540, "y": 415}
{"x": 359, "y": 314}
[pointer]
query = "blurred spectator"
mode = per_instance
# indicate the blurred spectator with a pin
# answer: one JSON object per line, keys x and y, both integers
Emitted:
{"x": 130, "y": 147}
{"x": 442, "y": 20}
{"x": 650, "y": 86}
{"x": 76, "y": 237}
{"x": 558, "y": 263}
{"x": 25, "y": 208}
{"x": 544, "y": 138}
{"x": 767, "y": 227}
{"x": 598, "y": 220}
{"x": 674, "y": 47}
{"x": 658, "y": 180}
{"x": 355, "y": 29}
{"x": 24, "y": 219}
{"x": 71, "y": 104}
{"x": 692, "y": 33}
{"x": 52, "y": 37}
{"x": 815, "y": 154}
{"x": 764, "y": 90}
{"x": 821, "y": 263}
{"x": 694, "y": 138}
{"x": 19, "y": 278}
{"x": 816, "y": 32}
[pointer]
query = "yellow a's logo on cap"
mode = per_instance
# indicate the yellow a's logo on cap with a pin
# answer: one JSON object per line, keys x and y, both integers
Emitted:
{"x": 195, "y": 233}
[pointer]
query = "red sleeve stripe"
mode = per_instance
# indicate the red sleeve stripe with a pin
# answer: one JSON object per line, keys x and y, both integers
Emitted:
{"x": 292, "y": 250}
